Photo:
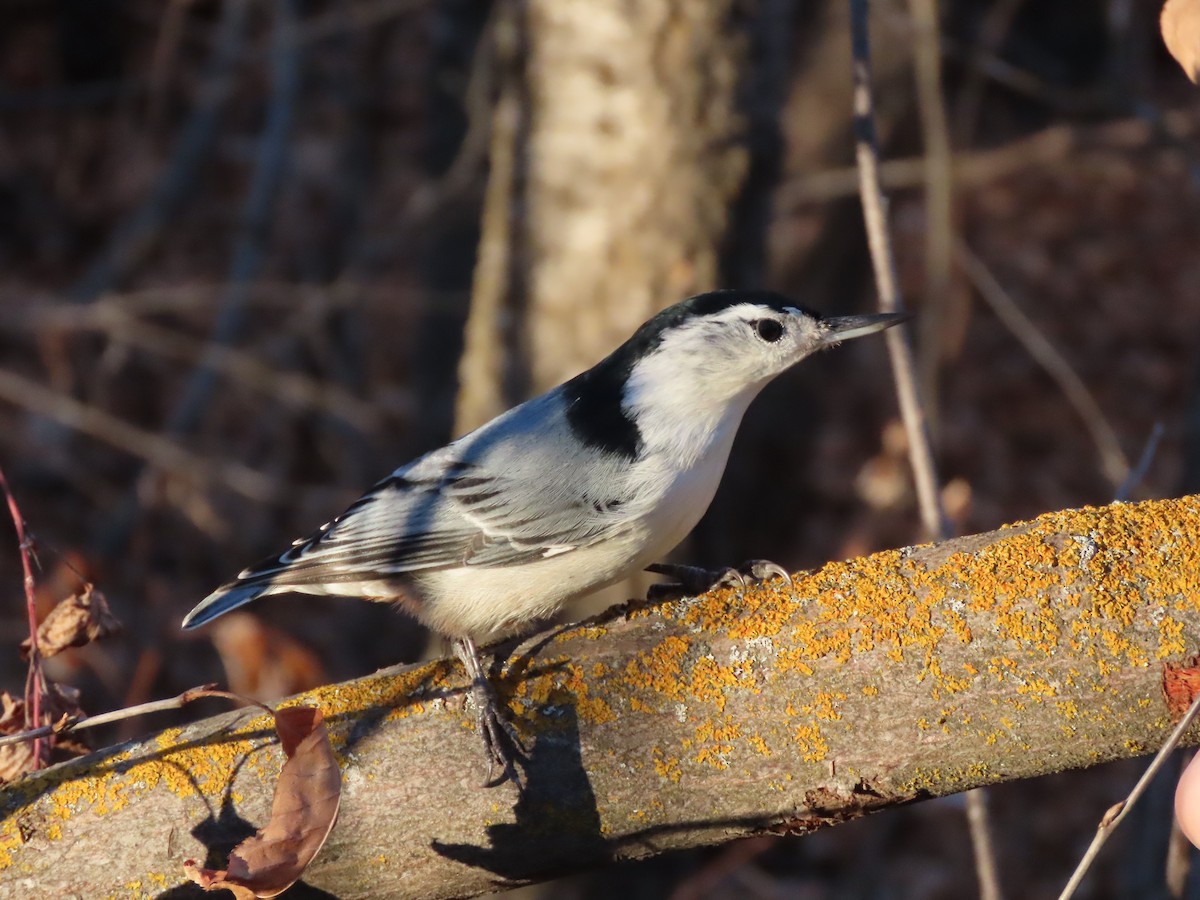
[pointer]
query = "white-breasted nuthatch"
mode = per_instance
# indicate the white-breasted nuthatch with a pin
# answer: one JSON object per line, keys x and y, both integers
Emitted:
{"x": 562, "y": 495}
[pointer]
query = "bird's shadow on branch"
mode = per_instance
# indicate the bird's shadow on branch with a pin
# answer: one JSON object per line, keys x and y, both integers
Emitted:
{"x": 557, "y": 824}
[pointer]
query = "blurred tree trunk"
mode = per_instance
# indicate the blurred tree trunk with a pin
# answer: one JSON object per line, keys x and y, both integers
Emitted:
{"x": 615, "y": 159}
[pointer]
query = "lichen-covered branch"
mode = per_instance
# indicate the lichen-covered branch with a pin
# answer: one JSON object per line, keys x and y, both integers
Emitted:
{"x": 869, "y": 683}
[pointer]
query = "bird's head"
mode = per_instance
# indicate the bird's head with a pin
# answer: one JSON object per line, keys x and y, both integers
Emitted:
{"x": 725, "y": 343}
{"x": 707, "y": 357}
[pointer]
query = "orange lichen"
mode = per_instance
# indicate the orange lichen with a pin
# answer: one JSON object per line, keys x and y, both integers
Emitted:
{"x": 824, "y": 705}
{"x": 812, "y": 744}
{"x": 666, "y": 767}
{"x": 709, "y": 680}
{"x": 562, "y": 683}
{"x": 660, "y": 669}
{"x": 715, "y": 742}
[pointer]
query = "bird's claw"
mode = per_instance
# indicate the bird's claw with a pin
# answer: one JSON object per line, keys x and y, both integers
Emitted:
{"x": 764, "y": 570}
{"x": 501, "y": 743}
{"x": 691, "y": 580}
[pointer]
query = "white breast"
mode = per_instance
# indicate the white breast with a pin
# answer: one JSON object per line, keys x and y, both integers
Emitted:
{"x": 491, "y": 603}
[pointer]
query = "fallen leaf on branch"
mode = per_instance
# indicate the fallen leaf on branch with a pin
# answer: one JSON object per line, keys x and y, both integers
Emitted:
{"x": 1180, "y": 24}
{"x": 303, "y": 812}
{"x": 78, "y": 620}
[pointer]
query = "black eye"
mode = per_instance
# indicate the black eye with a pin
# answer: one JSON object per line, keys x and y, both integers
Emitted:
{"x": 768, "y": 329}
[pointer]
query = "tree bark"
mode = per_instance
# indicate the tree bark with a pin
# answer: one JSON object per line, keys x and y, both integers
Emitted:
{"x": 908, "y": 674}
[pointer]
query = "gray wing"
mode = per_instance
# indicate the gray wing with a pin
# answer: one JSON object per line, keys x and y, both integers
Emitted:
{"x": 459, "y": 516}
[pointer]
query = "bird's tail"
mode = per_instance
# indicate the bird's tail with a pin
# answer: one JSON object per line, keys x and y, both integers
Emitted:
{"x": 223, "y": 599}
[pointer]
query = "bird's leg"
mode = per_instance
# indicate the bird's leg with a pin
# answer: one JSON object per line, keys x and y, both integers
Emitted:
{"x": 692, "y": 580}
{"x": 500, "y": 740}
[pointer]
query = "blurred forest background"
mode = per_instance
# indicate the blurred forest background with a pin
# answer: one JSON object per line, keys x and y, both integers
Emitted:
{"x": 254, "y": 254}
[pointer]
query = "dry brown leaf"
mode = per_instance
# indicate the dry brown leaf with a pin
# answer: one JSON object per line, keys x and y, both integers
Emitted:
{"x": 15, "y": 759}
{"x": 78, "y": 620}
{"x": 12, "y": 713}
{"x": 1180, "y": 24}
{"x": 303, "y": 813}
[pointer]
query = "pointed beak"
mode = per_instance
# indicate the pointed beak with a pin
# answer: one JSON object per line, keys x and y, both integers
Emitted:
{"x": 847, "y": 328}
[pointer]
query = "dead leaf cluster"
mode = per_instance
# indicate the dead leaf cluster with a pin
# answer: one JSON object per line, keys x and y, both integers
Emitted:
{"x": 78, "y": 620}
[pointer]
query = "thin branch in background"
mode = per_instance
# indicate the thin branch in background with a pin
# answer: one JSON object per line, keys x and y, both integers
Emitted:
{"x": 995, "y": 27}
{"x": 883, "y": 260}
{"x": 730, "y": 860}
{"x": 979, "y": 826}
{"x": 941, "y": 315}
{"x": 1138, "y": 473}
{"x": 166, "y": 45}
{"x": 160, "y": 452}
{"x": 1063, "y": 99}
{"x": 248, "y": 253}
{"x": 1113, "y": 461}
{"x": 242, "y": 368}
{"x": 904, "y": 371}
{"x": 133, "y": 239}
{"x": 255, "y": 219}
{"x": 1179, "y": 849}
{"x": 1052, "y": 146}
{"x": 1112, "y": 818}
{"x": 35, "y": 682}
{"x": 356, "y": 17}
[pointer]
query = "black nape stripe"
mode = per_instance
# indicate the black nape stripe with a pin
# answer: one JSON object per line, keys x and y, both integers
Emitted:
{"x": 594, "y": 411}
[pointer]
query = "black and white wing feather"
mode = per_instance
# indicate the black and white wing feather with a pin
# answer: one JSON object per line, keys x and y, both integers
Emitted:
{"x": 421, "y": 520}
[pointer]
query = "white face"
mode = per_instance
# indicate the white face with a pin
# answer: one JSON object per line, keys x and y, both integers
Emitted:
{"x": 730, "y": 353}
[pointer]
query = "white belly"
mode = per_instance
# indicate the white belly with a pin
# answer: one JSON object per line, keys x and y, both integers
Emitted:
{"x": 495, "y": 602}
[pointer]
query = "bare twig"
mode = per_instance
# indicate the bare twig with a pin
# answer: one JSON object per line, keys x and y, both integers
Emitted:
{"x": 158, "y": 451}
{"x": 1112, "y": 458}
{"x": 1112, "y": 818}
{"x": 68, "y": 725}
{"x": 35, "y": 683}
{"x": 903, "y": 369}
{"x": 982, "y": 847}
{"x": 732, "y": 859}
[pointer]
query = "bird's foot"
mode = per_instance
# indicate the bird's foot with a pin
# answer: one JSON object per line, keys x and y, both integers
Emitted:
{"x": 692, "y": 580}
{"x": 501, "y": 743}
